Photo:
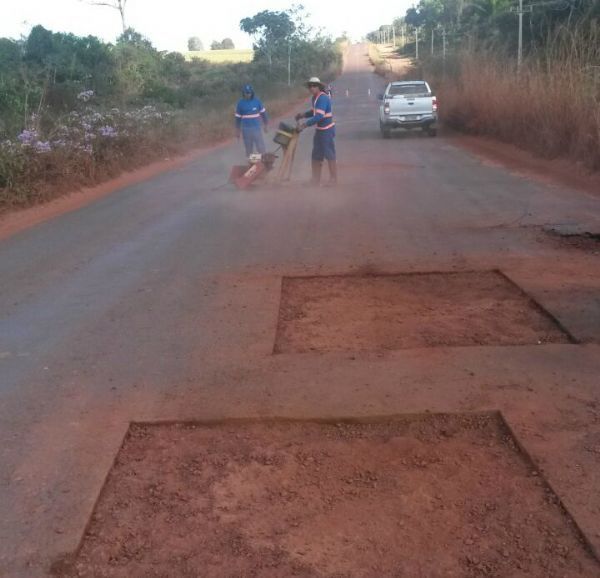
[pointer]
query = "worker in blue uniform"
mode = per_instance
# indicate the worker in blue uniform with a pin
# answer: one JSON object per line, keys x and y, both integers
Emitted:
{"x": 250, "y": 121}
{"x": 321, "y": 117}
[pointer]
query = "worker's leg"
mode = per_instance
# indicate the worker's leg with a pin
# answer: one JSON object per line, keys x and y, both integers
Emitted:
{"x": 317, "y": 158}
{"x": 333, "y": 172}
{"x": 260, "y": 141}
{"x": 317, "y": 169}
{"x": 330, "y": 154}
{"x": 248, "y": 140}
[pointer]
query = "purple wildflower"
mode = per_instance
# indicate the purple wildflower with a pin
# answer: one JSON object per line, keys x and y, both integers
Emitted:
{"x": 42, "y": 147}
{"x": 108, "y": 131}
{"x": 28, "y": 137}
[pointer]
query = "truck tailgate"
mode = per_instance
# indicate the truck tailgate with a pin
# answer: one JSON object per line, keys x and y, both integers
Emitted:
{"x": 411, "y": 105}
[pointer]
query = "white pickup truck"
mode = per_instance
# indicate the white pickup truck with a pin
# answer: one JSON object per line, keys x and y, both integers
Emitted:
{"x": 407, "y": 104}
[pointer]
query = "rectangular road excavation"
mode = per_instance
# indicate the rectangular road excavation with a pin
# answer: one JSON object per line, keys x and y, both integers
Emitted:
{"x": 426, "y": 495}
{"x": 385, "y": 312}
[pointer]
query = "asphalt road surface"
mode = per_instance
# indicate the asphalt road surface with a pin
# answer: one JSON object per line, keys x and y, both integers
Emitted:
{"x": 160, "y": 302}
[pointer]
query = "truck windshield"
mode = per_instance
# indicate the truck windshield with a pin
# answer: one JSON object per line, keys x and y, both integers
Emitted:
{"x": 408, "y": 89}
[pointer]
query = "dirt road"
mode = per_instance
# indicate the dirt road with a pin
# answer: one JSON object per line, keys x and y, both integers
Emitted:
{"x": 161, "y": 302}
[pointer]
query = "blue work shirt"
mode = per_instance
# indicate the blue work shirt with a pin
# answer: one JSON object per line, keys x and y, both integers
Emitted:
{"x": 249, "y": 113}
{"x": 321, "y": 113}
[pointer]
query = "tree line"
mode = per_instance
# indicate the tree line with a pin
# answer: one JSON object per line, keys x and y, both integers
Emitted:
{"x": 42, "y": 74}
{"x": 489, "y": 23}
{"x": 195, "y": 44}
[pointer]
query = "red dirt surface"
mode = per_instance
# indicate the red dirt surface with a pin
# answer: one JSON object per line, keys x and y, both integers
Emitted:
{"x": 422, "y": 496}
{"x": 550, "y": 171}
{"x": 349, "y": 313}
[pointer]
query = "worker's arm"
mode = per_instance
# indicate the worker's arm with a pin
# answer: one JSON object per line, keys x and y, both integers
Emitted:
{"x": 264, "y": 115}
{"x": 306, "y": 114}
{"x": 263, "y": 112}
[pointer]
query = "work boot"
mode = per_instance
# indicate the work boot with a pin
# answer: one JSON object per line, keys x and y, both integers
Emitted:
{"x": 333, "y": 173}
{"x": 317, "y": 169}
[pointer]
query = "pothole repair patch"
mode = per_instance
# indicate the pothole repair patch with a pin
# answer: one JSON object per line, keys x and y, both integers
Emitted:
{"x": 385, "y": 312}
{"x": 433, "y": 495}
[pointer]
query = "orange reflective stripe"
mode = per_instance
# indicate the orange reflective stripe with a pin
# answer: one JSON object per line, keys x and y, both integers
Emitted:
{"x": 250, "y": 115}
{"x": 326, "y": 127}
{"x": 319, "y": 110}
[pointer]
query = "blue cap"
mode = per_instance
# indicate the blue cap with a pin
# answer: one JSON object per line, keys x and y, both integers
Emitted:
{"x": 247, "y": 89}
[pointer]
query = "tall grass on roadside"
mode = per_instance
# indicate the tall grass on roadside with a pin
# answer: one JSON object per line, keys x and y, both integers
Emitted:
{"x": 550, "y": 107}
{"x": 378, "y": 61}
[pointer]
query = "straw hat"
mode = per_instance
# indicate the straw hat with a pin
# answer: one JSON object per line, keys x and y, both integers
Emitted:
{"x": 315, "y": 80}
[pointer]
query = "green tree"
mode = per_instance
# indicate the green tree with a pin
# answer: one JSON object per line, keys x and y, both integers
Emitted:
{"x": 271, "y": 31}
{"x": 195, "y": 44}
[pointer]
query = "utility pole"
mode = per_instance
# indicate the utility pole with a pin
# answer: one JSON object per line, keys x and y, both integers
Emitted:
{"x": 432, "y": 36}
{"x": 520, "y": 11}
{"x": 444, "y": 44}
{"x": 417, "y": 43}
{"x": 394, "y": 34}
{"x": 520, "y": 53}
{"x": 289, "y": 63}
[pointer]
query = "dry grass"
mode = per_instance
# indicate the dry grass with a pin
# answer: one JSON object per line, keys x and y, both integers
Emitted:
{"x": 551, "y": 107}
{"x": 378, "y": 60}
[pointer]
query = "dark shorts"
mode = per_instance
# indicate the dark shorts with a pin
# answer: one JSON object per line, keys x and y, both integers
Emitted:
{"x": 324, "y": 145}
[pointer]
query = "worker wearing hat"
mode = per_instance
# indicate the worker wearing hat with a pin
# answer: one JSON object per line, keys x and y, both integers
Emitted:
{"x": 321, "y": 117}
{"x": 250, "y": 114}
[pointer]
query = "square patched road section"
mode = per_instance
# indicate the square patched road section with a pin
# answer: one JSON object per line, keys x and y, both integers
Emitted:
{"x": 434, "y": 495}
{"x": 385, "y": 312}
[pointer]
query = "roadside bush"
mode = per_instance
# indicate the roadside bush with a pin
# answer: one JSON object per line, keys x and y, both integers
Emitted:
{"x": 82, "y": 147}
{"x": 378, "y": 61}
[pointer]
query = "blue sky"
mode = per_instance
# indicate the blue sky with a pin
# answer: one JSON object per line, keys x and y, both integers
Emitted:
{"x": 170, "y": 23}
